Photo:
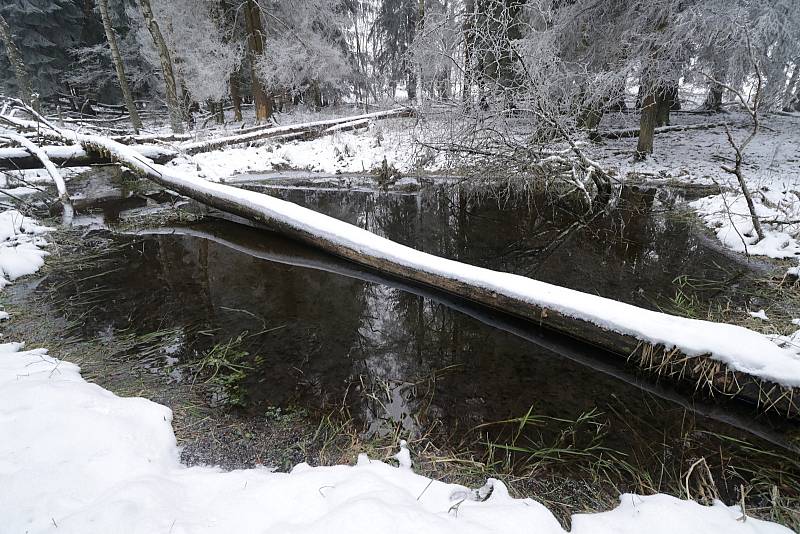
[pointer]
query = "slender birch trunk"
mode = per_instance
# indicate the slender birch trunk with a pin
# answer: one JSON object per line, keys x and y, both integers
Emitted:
{"x": 420, "y": 26}
{"x": 166, "y": 66}
{"x": 119, "y": 66}
{"x": 18, "y": 63}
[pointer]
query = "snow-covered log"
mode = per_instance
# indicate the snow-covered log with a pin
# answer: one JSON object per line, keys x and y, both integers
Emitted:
{"x": 634, "y": 132}
{"x": 721, "y": 358}
{"x": 48, "y": 165}
{"x": 310, "y": 127}
{"x": 73, "y": 156}
{"x": 151, "y": 138}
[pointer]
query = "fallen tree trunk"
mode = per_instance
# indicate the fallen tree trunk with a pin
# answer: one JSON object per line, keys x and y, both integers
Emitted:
{"x": 720, "y": 358}
{"x": 12, "y": 159}
{"x": 256, "y": 134}
{"x": 634, "y": 132}
{"x": 48, "y": 165}
{"x": 151, "y": 138}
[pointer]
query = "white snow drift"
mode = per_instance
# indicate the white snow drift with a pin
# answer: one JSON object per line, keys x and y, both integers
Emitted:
{"x": 76, "y": 458}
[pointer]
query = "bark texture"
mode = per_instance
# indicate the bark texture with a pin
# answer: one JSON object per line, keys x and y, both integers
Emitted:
{"x": 647, "y": 126}
{"x": 255, "y": 47}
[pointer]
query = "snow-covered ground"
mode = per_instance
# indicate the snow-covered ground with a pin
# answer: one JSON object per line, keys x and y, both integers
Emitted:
{"x": 343, "y": 152}
{"x": 771, "y": 168}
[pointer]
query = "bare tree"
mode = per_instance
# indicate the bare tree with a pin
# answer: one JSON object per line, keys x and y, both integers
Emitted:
{"x": 739, "y": 147}
{"x": 119, "y": 66}
{"x": 173, "y": 106}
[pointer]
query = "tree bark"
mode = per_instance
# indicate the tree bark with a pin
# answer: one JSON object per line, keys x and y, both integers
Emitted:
{"x": 236, "y": 96}
{"x": 662, "y": 107}
{"x": 420, "y": 25}
{"x": 647, "y": 125}
{"x": 14, "y": 159}
{"x": 119, "y": 66}
{"x": 166, "y": 66}
{"x": 25, "y": 89}
{"x": 255, "y": 46}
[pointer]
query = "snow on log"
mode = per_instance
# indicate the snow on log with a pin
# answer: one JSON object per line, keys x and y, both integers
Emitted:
{"x": 44, "y": 161}
{"x": 151, "y": 138}
{"x": 311, "y": 128}
{"x": 72, "y": 156}
{"x": 634, "y": 132}
{"x": 719, "y": 357}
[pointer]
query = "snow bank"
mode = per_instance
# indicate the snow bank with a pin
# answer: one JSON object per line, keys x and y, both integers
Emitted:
{"x": 342, "y": 152}
{"x": 20, "y": 246}
{"x": 727, "y": 214}
{"x": 77, "y": 458}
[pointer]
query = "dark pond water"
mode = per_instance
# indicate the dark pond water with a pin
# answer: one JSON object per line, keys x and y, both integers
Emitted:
{"x": 319, "y": 332}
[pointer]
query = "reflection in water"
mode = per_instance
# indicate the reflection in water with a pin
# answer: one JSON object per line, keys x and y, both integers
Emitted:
{"x": 632, "y": 254}
{"x": 320, "y": 331}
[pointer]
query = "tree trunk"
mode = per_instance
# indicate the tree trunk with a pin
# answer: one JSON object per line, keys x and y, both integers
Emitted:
{"x": 663, "y": 104}
{"x": 116, "y": 57}
{"x": 647, "y": 125}
{"x": 713, "y": 101}
{"x": 25, "y": 88}
{"x": 420, "y": 25}
{"x": 166, "y": 66}
{"x": 255, "y": 45}
{"x": 236, "y": 96}
{"x": 411, "y": 86}
{"x": 792, "y": 89}
{"x": 469, "y": 43}
{"x": 590, "y": 115}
